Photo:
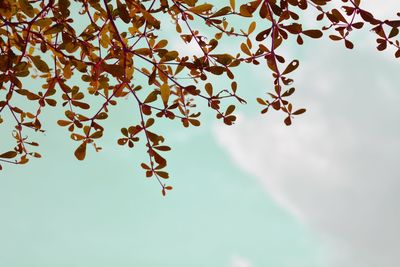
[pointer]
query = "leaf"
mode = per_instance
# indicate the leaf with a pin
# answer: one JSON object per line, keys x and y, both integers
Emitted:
{"x": 313, "y": 33}
{"x": 288, "y": 121}
{"x": 163, "y": 175}
{"x": 201, "y": 8}
{"x": 291, "y": 67}
{"x": 222, "y": 12}
{"x": 393, "y": 32}
{"x": 338, "y": 15}
{"x": 335, "y": 37}
{"x": 80, "y": 152}
{"x": 276, "y": 105}
{"x": 229, "y": 120}
{"x": 245, "y": 49}
{"x": 348, "y": 44}
{"x": 299, "y": 111}
{"x": 151, "y": 97}
{"x": 397, "y": 54}
{"x": 171, "y": 55}
{"x": 161, "y": 44}
{"x": 217, "y": 70}
{"x": 261, "y": 101}
{"x": 367, "y": 16}
{"x": 165, "y": 92}
{"x": 288, "y": 92}
{"x": 252, "y": 27}
{"x": 8, "y": 155}
{"x": 143, "y": 51}
{"x": 358, "y": 25}
{"x": 114, "y": 70}
{"x": 162, "y": 148}
{"x": 77, "y": 137}
{"x": 209, "y": 89}
{"x": 96, "y": 135}
{"x": 232, "y": 4}
{"x": 224, "y": 59}
{"x": 191, "y": 89}
{"x": 149, "y": 122}
{"x": 123, "y": 13}
{"x": 194, "y": 122}
{"x": 63, "y": 122}
{"x": 64, "y": 7}
{"x": 393, "y": 23}
{"x": 145, "y": 166}
{"x": 230, "y": 110}
{"x": 54, "y": 29}
{"x": 82, "y": 105}
{"x": 27, "y": 8}
{"x": 40, "y": 64}
{"x": 102, "y": 116}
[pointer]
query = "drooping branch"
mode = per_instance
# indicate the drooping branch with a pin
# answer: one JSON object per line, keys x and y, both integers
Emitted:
{"x": 124, "y": 53}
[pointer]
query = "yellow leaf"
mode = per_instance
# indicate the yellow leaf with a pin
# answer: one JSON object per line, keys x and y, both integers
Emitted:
{"x": 104, "y": 40}
{"x": 67, "y": 71}
{"x": 31, "y": 50}
{"x": 245, "y": 49}
{"x": 165, "y": 92}
{"x": 132, "y": 30}
{"x": 232, "y": 2}
{"x": 252, "y": 27}
{"x": 201, "y": 8}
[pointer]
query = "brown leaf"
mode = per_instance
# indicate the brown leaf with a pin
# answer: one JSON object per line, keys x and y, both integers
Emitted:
{"x": 299, "y": 111}
{"x": 288, "y": 121}
{"x": 80, "y": 152}
{"x": 8, "y": 155}
{"x": 313, "y": 33}
{"x": 40, "y": 64}
{"x": 200, "y": 9}
{"x": 291, "y": 67}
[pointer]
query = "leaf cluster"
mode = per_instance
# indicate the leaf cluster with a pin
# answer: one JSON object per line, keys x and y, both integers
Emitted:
{"x": 39, "y": 39}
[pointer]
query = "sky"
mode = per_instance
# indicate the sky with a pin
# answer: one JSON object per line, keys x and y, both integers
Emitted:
{"x": 320, "y": 193}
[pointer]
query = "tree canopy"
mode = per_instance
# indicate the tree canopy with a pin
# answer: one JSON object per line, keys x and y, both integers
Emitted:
{"x": 106, "y": 44}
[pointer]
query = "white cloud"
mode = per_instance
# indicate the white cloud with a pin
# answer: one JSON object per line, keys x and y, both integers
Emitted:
{"x": 240, "y": 262}
{"x": 382, "y": 9}
{"x": 337, "y": 168}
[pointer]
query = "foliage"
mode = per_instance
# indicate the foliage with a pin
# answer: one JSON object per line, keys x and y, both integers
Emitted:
{"x": 121, "y": 40}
